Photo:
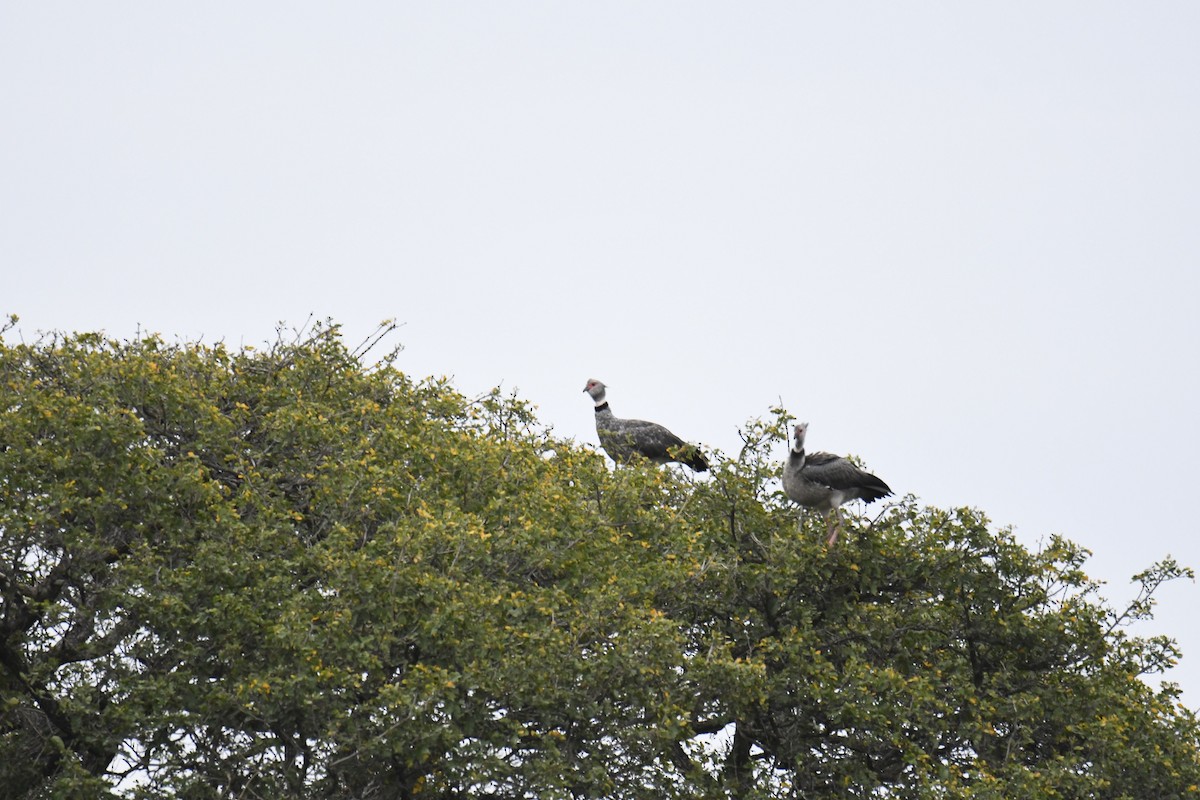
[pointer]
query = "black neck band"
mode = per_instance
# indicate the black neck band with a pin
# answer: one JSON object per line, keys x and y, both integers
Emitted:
{"x": 602, "y": 407}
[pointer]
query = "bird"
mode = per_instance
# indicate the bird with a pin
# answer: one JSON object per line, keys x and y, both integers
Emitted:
{"x": 623, "y": 439}
{"x": 823, "y": 481}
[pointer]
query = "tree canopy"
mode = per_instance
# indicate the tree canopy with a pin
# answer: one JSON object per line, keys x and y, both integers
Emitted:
{"x": 298, "y": 572}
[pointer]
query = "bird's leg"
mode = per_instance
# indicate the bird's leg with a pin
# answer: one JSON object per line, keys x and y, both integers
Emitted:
{"x": 833, "y": 528}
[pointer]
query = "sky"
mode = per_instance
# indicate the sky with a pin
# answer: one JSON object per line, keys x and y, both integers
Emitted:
{"x": 959, "y": 239}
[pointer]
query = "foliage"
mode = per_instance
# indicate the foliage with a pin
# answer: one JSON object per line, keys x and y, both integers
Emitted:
{"x": 293, "y": 573}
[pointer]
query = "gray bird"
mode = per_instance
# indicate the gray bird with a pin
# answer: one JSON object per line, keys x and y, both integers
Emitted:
{"x": 624, "y": 439}
{"x": 823, "y": 481}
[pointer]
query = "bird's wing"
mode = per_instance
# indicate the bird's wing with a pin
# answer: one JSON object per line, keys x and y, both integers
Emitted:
{"x": 651, "y": 439}
{"x": 832, "y": 471}
{"x": 840, "y": 474}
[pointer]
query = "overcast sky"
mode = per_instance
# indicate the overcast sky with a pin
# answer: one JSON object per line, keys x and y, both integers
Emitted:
{"x": 961, "y": 240}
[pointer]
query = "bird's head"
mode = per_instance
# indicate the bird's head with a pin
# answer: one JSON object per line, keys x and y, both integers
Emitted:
{"x": 595, "y": 388}
{"x": 800, "y": 430}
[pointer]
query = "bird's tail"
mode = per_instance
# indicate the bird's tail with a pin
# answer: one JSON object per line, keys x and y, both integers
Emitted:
{"x": 873, "y": 488}
{"x": 690, "y": 454}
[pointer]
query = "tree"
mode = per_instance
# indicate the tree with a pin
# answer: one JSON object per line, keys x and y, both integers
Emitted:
{"x": 292, "y": 572}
